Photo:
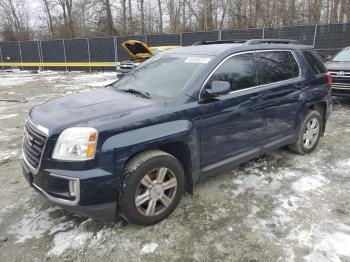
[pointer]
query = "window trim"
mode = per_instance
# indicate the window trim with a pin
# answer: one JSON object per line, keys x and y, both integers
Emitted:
{"x": 309, "y": 51}
{"x": 257, "y": 70}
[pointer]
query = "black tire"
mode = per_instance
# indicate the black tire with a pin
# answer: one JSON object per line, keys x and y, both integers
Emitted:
{"x": 299, "y": 147}
{"x": 137, "y": 168}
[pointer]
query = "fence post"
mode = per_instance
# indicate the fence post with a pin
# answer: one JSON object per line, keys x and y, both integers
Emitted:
{"x": 315, "y": 33}
{"x": 64, "y": 52}
{"x": 88, "y": 46}
{"x": 263, "y": 33}
{"x": 220, "y": 37}
{"x": 3, "y": 68}
{"x": 116, "y": 57}
{"x": 41, "y": 54}
{"x": 20, "y": 53}
{"x": 181, "y": 44}
{"x": 146, "y": 39}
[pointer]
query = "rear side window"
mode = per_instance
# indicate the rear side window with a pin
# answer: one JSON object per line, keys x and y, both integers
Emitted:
{"x": 239, "y": 70}
{"x": 315, "y": 62}
{"x": 277, "y": 66}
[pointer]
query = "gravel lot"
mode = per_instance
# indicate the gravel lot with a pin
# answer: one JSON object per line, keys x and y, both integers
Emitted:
{"x": 280, "y": 207}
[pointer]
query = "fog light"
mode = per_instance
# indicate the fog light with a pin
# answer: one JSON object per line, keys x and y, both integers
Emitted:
{"x": 74, "y": 188}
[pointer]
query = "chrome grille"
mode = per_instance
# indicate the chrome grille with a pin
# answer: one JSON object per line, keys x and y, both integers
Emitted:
{"x": 340, "y": 74}
{"x": 33, "y": 144}
{"x": 127, "y": 66}
{"x": 341, "y": 79}
{"x": 341, "y": 85}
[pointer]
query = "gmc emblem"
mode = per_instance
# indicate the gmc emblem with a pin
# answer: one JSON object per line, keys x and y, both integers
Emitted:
{"x": 27, "y": 138}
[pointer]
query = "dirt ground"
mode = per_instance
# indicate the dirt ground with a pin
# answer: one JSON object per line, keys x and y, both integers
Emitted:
{"x": 280, "y": 207}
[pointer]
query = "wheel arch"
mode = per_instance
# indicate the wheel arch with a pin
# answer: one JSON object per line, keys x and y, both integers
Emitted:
{"x": 177, "y": 149}
{"x": 320, "y": 107}
{"x": 178, "y": 138}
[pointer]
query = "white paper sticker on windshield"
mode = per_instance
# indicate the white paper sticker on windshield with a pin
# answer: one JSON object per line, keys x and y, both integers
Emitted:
{"x": 198, "y": 60}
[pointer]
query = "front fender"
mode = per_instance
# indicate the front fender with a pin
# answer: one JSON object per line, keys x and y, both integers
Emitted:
{"x": 147, "y": 134}
{"x": 121, "y": 147}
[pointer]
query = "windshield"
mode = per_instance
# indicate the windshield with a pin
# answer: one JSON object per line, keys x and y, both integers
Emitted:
{"x": 343, "y": 56}
{"x": 162, "y": 76}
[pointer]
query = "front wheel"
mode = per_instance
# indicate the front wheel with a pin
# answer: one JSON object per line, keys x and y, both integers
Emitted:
{"x": 309, "y": 134}
{"x": 152, "y": 187}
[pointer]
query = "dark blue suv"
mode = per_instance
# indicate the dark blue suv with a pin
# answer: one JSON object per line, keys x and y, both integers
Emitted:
{"x": 134, "y": 147}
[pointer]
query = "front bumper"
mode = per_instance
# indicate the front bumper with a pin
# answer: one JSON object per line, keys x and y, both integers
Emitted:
{"x": 341, "y": 92}
{"x": 89, "y": 193}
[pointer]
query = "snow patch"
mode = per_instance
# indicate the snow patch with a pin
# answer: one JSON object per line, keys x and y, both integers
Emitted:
{"x": 11, "y": 81}
{"x": 309, "y": 183}
{"x": 33, "y": 225}
{"x": 8, "y": 116}
{"x": 101, "y": 84}
{"x": 8, "y": 154}
{"x": 149, "y": 248}
{"x": 344, "y": 163}
{"x": 72, "y": 239}
{"x": 331, "y": 248}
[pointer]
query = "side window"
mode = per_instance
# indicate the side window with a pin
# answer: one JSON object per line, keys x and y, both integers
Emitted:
{"x": 277, "y": 66}
{"x": 239, "y": 70}
{"x": 315, "y": 62}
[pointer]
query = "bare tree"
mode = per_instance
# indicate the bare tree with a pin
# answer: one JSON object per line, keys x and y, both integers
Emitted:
{"x": 111, "y": 28}
{"x": 160, "y": 10}
{"x": 142, "y": 13}
{"x": 15, "y": 19}
{"x": 124, "y": 21}
{"x": 334, "y": 11}
{"x": 47, "y": 8}
{"x": 79, "y": 18}
{"x": 131, "y": 23}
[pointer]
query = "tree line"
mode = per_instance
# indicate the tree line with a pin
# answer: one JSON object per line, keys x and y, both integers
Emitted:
{"x": 52, "y": 19}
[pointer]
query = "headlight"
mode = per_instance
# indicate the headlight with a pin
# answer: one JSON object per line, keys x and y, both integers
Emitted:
{"x": 76, "y": 144}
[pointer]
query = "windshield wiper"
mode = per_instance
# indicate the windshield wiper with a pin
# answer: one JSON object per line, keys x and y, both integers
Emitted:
{"x": 136, "y": 92}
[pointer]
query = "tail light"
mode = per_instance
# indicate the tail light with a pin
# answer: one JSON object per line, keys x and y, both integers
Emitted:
{"x": 329, "y": 80}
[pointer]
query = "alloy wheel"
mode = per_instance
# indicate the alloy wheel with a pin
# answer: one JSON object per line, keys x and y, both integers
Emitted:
{"x": 156, "y": 191}
{"x": 311, "y": 133}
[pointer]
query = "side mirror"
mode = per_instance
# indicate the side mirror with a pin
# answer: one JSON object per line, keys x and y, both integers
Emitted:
{"x": 218, "y": 88}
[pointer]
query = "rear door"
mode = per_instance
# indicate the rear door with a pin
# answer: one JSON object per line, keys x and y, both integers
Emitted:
{"x": 280, "y": 74}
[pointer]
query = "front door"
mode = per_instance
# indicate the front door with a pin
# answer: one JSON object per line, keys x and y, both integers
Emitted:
{"x": 231, "y": 125}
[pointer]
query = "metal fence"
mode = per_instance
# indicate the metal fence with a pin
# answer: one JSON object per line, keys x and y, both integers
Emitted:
{"x": 105, "y": 53}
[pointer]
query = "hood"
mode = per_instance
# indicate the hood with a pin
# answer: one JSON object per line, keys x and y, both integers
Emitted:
{"x": 338, "y": 66}
{"x": 137, "y": 50}
{"x": 90, "y": 108}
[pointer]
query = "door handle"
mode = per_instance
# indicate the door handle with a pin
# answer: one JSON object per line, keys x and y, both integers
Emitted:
{"x": 299, "y": 86}
{"x": 251, "y": 101}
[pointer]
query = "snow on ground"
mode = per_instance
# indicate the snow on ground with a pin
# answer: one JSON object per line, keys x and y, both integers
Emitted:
{"x": 300, "y": 218}
{"x": 75, "y": 239}
{"x": 309, "y": 183}
{"x": 280, "y": 207}
{"x": 8, "y": 154}
{"x": 33, "y": 225}
{"x": 8, "y": 116}
{"x": 149, "y": 248}
{"x": 8, "y": 81}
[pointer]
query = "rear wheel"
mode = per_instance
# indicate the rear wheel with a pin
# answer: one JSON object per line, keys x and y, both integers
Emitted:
{"x": 152, "y": 187}
{"x": 309, "y": 134}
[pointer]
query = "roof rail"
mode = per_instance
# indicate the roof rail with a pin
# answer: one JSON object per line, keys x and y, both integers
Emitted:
{"x": 214, "y": 42}
{"x": 271, "y": 41}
